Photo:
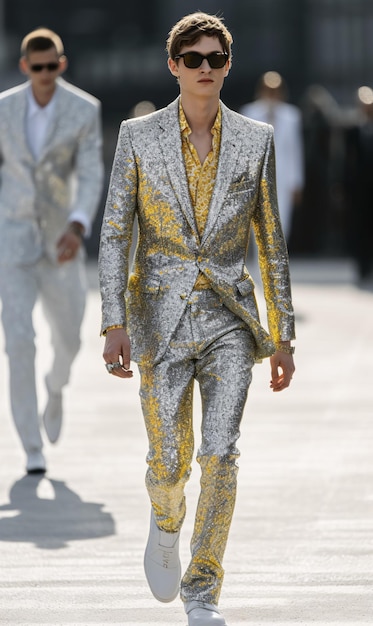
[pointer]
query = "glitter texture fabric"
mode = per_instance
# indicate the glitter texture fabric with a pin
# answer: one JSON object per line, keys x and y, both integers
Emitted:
{"x": 39, "y": 196}
{"x": 149, "y": 179}
{"x": 214, "y": 347}
{"x": 179, "y": 334}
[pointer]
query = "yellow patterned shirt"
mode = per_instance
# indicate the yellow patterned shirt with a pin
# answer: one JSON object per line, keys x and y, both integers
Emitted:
{"x": 201, "y": 176}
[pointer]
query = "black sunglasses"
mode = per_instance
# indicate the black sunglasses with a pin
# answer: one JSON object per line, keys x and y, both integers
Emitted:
{"x": 38, "y": 67}
{"x": 192, "y": 59}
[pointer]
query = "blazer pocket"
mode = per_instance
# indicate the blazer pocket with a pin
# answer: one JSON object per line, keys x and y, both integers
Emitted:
{"x": 154, "y": 286}
{"x": 242, "y": 185}
{"x": 246, "y": 290}
{"x": 249, "y": 191}
{"x": 151, "y": 285}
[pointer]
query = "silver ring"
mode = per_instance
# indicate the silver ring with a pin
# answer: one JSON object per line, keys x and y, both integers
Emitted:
{"x": 111, "y": 366}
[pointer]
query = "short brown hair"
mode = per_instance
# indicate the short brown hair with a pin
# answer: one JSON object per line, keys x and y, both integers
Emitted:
{"x": 41, "y": 39}
{"x": 191, "y": 28}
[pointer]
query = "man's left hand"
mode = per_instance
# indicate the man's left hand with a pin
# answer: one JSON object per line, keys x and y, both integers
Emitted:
{"x": 68, "y": 245}
{"x": 282, "y": 370}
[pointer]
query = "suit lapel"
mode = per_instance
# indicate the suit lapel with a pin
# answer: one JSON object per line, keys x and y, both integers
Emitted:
{"x": 230, "y": 146}
{"x": 18, "y": 121}
{"x": 170, "y": 141}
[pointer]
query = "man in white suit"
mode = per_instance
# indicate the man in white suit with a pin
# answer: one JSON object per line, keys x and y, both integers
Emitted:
{"x": 197, "y": 176}
{"x": 51, "y": 176}
{"x": 287, "y": 123}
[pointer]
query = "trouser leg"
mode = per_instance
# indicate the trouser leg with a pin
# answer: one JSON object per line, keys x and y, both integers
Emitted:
{"x": 212, "y": 345}
{"x": 63, "y": 296}
{"x": 167, "y": 397}
{"x": 18, "y": 292}
{"x": 224, "y": 372}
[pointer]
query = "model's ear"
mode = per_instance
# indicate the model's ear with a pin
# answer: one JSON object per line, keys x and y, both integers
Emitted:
{"x": 63, "y": 64}
{"x": 23, "y": 66}
{"x": 173, "y": 67}
{"x": 228, "y": 67}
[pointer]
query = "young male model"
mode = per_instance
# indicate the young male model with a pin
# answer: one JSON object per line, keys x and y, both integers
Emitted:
{"x": 51, "y": 176}
{"x": 198, "y": 176}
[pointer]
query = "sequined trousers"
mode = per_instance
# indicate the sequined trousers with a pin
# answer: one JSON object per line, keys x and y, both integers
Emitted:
{"x": 214, "y": 347}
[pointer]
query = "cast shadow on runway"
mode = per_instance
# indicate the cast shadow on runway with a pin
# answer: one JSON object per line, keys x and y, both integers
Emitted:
{"x": 51, "y": 523}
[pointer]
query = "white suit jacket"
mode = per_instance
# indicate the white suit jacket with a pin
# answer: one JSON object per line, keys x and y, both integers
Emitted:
{"x": 38, "y": 195}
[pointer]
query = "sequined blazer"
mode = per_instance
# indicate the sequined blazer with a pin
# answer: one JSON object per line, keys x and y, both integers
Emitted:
{"x": 149, "y": 181}
{"x": 37, "y": 196}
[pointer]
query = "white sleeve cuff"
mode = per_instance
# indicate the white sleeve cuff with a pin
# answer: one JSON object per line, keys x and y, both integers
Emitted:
{"x": 76, "y": 216}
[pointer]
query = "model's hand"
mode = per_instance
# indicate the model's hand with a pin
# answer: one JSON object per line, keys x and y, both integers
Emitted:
{"x": 68, "y": 246}
{"x": 117, "y": 350}
{"x": 282, "y": 370}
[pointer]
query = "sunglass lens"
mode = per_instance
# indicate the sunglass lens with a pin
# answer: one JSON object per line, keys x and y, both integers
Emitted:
{"x": 193, "y": 59}
{"x": 38, "y": 67}
{"x": 216, "y": 60}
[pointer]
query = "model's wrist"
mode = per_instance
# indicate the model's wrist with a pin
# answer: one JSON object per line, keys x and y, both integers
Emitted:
{"x": 77, "y": 228}
{"x": 285, "y": 346}
{"x": 113, "y": 327}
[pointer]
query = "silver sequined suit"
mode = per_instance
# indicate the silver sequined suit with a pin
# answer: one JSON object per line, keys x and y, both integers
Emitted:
{"x": 179, "y": 334}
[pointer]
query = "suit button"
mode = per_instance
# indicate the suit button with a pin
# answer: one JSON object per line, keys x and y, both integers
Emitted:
{"x": 183, "y": 296}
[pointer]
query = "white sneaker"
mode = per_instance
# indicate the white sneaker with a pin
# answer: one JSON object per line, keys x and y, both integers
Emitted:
{"x": 203, "y": 614}
{"x": 162, "y": 564}
{"x": 35, "y": 463}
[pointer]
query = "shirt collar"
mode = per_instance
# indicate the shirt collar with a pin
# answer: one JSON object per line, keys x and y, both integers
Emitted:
{"x": 185, "y": 128}
{"x": 34, "y": 108}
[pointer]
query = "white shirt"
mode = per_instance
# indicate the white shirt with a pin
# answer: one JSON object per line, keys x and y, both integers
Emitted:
{"x": 37, "y": 121}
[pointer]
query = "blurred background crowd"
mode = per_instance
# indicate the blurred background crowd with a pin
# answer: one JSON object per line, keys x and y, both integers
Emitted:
{"x": 320, "y": 52}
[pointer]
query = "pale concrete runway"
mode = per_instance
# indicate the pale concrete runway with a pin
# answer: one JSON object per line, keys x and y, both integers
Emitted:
{"x": 301, "y": 545}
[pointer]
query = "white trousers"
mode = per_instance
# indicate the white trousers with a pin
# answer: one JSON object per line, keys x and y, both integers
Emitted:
{"x": 62, "y": 292}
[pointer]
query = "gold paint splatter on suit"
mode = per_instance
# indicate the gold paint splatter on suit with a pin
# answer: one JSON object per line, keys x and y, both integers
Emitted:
{"x": 180, "y": 334}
